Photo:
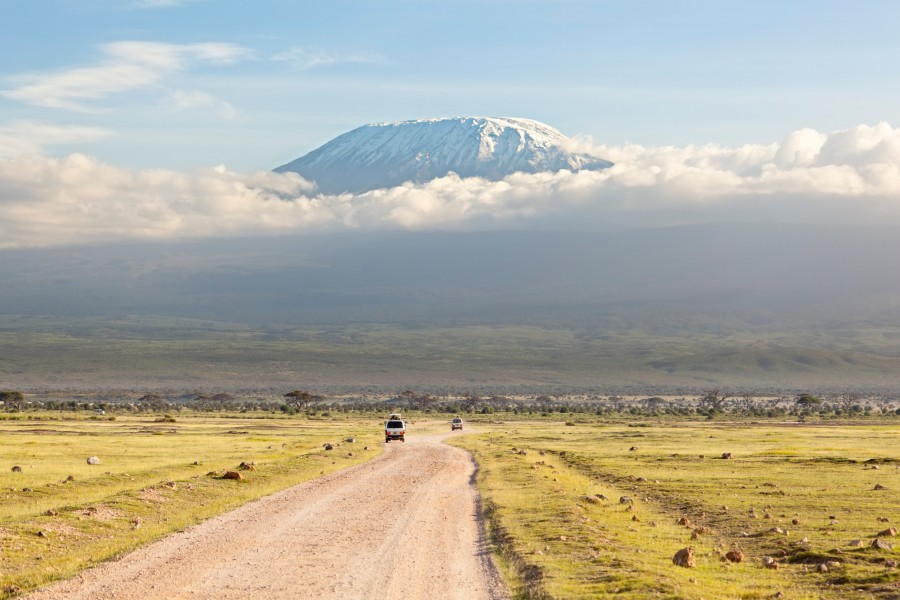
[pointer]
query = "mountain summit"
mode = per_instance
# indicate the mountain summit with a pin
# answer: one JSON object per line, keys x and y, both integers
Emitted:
{"x": 387, "y": 154}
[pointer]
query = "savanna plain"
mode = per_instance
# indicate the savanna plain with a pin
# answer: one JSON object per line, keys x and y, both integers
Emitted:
{"x": 576, "y": 505}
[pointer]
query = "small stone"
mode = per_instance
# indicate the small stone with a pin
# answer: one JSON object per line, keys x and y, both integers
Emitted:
{"x": 684, "y": 521}
{"x": 93, "y": 460}
{"x": 887, "y": 532}
{"x": 232, "y": 475}
{"x": 890, "y": 563}
{"x": 42, "y": 534}
{"x": 685, "y": 558}
{"x": 878, "y": 486}
{"x": 17, "y": 469}
{"x": 626, "y": 500}
{"x": 350, "y": 440}
{"x": 51, "y": 513}
{"x": 883, "y": 520}
{"x": 632, "y": 449}
{"x": 777, "y": 530}
{"x": 171, "y": 485}
{"x": 822, "y": 568}
{"x": 769, "y": 562}
{"x": 328, "y": 446}
{"x": 727, "y": 455}
{"x": 795, "y": 521}
{"x": 563, "y": 538}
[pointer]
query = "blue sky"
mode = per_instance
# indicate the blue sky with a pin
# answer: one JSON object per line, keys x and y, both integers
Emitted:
{"x": 182, "y": 85}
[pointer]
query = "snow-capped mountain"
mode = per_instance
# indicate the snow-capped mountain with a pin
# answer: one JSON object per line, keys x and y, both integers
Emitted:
{"x": 387, "y": 154}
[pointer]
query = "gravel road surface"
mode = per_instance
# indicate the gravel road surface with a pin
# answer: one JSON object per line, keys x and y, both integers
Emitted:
{"x": 405, "y": 524}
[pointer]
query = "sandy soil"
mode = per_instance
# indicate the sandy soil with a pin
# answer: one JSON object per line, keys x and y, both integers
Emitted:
{"x": 403, "y": 525}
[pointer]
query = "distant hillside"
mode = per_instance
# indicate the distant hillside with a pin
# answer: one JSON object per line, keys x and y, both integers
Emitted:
{"x": 683, "y": 306}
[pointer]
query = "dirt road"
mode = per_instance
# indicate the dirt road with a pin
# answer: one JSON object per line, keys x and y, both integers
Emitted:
{"x": 402, "y": 525}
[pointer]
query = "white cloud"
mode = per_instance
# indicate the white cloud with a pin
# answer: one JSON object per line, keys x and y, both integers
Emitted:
{"x": 126, "y": 66}
{"x": 850, "y": 176}
{"x": 31, "y": 137}
{"x": 304, "y": 59}
{"x": 182, "y": 100}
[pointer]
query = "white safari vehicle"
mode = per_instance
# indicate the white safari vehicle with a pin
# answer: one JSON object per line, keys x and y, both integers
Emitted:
{"x": 394, "y": 429}
{"x": 455, "y": 424}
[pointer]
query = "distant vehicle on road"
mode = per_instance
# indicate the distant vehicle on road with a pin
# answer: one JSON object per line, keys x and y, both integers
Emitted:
{"x": 455, "y": 424}
{"x": 394, "y": 429}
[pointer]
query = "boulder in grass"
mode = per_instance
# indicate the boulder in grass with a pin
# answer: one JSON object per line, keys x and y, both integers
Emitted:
{"x": 734, "y": 556}
{"x": 880, "y": 544}
{"x": 17, "y": 469}
{"x": 685, "y": 558}
{"x": 232, "y": 475}
{"x": 879, "y": 487}
{"x": 887, "y": 532}
{"x": 727, "y": 455}
{"x": 93, "y": 460}
{"x": 770, "y": 563}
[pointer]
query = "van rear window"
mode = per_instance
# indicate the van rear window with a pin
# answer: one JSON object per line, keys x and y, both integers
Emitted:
{"x": 394, "y": 424}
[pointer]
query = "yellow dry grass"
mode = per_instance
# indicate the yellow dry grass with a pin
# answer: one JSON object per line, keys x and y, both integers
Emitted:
{"x": 60, "y": 515}
{"x": 559, "y": 539}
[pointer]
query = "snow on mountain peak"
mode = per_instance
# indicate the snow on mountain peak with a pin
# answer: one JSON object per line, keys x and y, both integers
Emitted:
{"x": 384, "y": 155}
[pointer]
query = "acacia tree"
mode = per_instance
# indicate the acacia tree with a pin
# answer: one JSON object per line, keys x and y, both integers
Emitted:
{"x": 807, "y": 400}
{"x": 714, "y": 399}
{"x": 883, "y": 402}
{"x": 470, "y": 402}
{"x": 424, "y": 401}
{"x": 301, "y": 399}
{"x": 848, "y": 400}
{"x": 13, "y": 399}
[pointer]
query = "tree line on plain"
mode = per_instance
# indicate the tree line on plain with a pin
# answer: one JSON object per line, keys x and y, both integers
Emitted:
{"x": 711, "y": 403}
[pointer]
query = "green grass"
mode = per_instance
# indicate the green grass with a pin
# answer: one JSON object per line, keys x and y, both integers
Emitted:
{"x": 60, "y": 515}
{"x": 556, "y": 543}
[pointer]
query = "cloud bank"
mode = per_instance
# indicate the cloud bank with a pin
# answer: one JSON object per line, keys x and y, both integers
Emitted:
{"x": 850, "y": 176}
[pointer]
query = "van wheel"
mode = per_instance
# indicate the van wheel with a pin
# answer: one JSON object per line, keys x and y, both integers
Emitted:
{"x": 386, "y": 440}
